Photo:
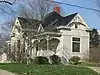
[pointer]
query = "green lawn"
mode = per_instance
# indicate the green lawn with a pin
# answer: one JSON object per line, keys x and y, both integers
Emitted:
{"x": 48, "y": 69}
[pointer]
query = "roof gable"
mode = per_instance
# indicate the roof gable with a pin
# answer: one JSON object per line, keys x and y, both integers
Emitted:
{"x": 16, "y": 24}
{"x": 57, "y": 20}
{"x": 79, "y": 20}
{"x": 68, "y": 18}
{"x": 50, "y": 18}
{"x": 27, "y": 23}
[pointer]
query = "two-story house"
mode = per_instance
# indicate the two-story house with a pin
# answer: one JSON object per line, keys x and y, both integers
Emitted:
{"x": 64, "y": 36}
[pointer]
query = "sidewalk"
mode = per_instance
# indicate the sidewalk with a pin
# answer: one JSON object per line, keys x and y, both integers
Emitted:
{"x": 97, "y": 69}
{"x": 3, "y": 72}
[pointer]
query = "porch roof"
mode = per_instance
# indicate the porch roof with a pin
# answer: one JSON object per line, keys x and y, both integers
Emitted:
{"x": 50, "y": 34}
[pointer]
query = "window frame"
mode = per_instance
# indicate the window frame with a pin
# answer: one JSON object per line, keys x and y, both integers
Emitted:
{"x": 78, "y": 42}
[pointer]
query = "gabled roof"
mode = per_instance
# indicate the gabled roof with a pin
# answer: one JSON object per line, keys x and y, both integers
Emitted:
{"x": 52, "y": 17}
{"x": 51, "y": 21}
{"x": 68, "y": 18}
{"x": 27, "y": 23}
{"x": 55, "y": 19}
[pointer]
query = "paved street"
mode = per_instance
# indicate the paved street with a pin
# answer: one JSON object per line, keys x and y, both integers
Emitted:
{"x": 3, "y": 72}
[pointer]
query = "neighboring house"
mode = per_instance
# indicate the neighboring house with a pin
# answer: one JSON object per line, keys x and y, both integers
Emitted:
{"x": 64, "y": 36}
{"x": 3, "y": 58}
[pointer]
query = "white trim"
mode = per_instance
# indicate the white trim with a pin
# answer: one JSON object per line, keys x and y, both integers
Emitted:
{"x": 66, "y": 27}
{"x": 80, "y": 18}
{"x": 72, "y": 44}
{"x": 63, "y": 27}
{"x": 80, "y": 44}
{"x": 74, "y": 35}
{"x": 50, "y": 33}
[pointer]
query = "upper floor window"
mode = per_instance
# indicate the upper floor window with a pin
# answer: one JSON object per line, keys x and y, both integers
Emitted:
{"x": 75, "y": 44}
{"x": 18, "y": 44}
{"x": 36, "y": 47}
{"x": 9, "y": 48}
{"x": 76, "y": 26}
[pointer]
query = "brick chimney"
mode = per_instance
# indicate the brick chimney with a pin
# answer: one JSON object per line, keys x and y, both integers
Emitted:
{"x": 57, "y": 9}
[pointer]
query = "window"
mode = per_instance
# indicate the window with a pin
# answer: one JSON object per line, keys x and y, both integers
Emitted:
{"x": 76, "y": 26}
{"x": 9, "y": 48}
{"x": 18, "y": 44}
{"x": 75, "y": 44}
{"x": 36, "y": 47}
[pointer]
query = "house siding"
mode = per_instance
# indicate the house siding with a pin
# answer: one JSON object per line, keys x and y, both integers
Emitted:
{"x": 64, "y": 48}
{"x": 67, "y": 43}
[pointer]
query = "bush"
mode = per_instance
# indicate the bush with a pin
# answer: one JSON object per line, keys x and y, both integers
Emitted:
{"x": 55, "y": 59}
{"x": 41, "y": 60}
{"x": 74, "y": 60}
{"x": 24, "y": 61}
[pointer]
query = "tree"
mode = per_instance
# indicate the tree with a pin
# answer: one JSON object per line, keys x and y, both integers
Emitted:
{"x": 35, "y": 8}
{"x": 3, "y": 44}
{"x": 5, "y": 1}
{"x": 94, "y": 38}
{"x": 6, "y": 8}
{"x": 95, "y": 54}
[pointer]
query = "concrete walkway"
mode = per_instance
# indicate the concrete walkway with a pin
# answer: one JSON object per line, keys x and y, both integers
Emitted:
{"x": 3, "y": 72}
{"x": 97, "y": 69}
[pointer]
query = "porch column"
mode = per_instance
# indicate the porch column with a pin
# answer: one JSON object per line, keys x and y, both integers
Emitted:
{"x": 38, "y": 44}
{"x": 47, "y": 42}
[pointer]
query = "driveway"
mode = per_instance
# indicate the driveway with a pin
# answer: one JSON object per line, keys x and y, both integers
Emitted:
{"x": 3, "y": 72}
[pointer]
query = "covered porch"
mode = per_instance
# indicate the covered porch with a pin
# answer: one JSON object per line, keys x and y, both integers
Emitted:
{"x": 46, "y": 43}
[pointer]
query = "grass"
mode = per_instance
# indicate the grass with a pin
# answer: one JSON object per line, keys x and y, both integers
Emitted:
{"x": 48, "y": 69}
{"x": 91, "y": 64}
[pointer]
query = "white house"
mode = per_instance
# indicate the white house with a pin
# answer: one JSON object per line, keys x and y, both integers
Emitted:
{"x": 3, "y": 58}
{"x": 64, "y": 36}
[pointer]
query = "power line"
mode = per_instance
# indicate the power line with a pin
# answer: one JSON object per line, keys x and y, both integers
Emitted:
{"x": 75, "y": 6}
{"x": 3, "y": 1}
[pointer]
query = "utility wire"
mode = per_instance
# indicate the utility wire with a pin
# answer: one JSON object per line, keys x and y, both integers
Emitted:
{"x": 74, "y": 5}
{"x": 3, "y": 1}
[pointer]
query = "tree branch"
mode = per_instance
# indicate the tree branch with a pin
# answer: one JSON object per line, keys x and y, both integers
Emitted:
{"x": 8, "y": 2}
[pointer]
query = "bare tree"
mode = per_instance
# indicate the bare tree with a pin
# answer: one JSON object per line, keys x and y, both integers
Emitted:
{"x": 6, "y": 9}
{"x": 8, "y": 2}
{"x": 35, "y": 8}
{"x": 95, "y": 54}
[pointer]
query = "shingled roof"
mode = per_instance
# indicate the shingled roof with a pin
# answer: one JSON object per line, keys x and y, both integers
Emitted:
{"x": 51, "y": 21}
{"x": 68, "y": 18}
{"x": 27, "y": 23}
{"x": 57, "y": 20}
